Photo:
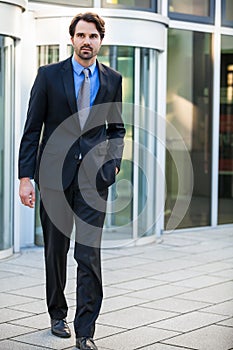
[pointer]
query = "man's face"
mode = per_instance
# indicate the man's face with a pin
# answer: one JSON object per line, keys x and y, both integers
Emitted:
{"x": 86, "y": 42}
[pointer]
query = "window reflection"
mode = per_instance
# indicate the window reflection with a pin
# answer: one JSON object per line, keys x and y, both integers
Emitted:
{"x": 133, "y": 4}
{"x": 46, "y": 54}
{"x": 6, "y": 140}
{"x": 191, "y": 7}
{"x": 226, "y": 133}
{"x": 189, "y": 94}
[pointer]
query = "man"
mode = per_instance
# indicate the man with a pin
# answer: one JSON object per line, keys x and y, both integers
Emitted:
{"x": 73, "y": 162}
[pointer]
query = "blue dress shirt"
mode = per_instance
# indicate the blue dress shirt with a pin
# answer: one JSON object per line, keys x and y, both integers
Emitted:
{"x": 79, "y": 77}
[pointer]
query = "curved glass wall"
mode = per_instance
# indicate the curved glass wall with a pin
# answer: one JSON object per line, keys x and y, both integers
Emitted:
{"x": 6, "y": 140}
{"x": 131, "y": 209}
{"x": 189, "y": 109}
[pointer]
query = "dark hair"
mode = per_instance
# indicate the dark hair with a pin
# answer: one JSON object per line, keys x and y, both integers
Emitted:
{"x": 88, "y": 17}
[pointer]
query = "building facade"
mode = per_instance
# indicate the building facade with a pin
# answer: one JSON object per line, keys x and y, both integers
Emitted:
{"x": 176, "y": 59}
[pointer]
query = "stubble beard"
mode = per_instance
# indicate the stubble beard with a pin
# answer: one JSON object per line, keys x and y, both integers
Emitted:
{"x": 85, "y": 56}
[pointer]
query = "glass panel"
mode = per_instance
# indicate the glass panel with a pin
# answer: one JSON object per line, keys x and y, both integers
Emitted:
{"x": 46, "y": 54}
{"x": 229, "y": 10}
{"x": 122, "y": 59}
{"x": 190, "y": 7}
{"x": 189, "y": 94}
{"x": 134, "y": 4}
{"x": 82, "y": 3}
{"x": 226, "y": 133}
{"x": 6, "y": 140}
{"x": 146, "y": 176}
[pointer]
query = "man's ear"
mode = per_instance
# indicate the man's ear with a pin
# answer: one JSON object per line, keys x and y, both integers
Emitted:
{"x": 72, "y": 40}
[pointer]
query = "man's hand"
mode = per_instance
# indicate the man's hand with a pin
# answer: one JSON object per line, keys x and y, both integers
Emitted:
{"x": 116, "y": 170}
{"x": 27, "y": 192}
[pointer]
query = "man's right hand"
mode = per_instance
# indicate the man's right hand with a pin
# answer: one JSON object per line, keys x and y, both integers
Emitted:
{"x": 27, "y": 192}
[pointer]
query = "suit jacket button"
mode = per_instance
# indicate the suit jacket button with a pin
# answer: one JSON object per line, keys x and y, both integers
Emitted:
{"x": 76, "y": 156}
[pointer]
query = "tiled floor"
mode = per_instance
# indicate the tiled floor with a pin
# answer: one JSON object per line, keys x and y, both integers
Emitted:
{"x": 169, "y": 296}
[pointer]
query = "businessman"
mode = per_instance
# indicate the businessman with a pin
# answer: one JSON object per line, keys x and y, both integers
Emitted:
{"x": 72, "y": 147}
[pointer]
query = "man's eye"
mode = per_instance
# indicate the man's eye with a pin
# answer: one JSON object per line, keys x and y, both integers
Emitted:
{"x": 80, "y": 35}
{"x": 93, "y": 36}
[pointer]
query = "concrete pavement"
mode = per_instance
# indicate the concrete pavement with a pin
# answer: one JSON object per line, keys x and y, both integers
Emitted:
{"x": 169, "y": 296}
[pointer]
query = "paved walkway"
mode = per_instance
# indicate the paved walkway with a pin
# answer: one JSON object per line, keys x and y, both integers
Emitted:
{"x": 169, "y": 296}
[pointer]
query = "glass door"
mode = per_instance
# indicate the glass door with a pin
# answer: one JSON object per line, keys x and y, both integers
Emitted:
{"x": 6, "y": 140}
{"x": 131, "y": 205}
{"x": 225, "y": 192}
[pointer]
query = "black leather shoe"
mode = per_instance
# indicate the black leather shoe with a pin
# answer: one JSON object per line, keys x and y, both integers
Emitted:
{"x": 85, "y": 343}
{"x": 60, "y": 328}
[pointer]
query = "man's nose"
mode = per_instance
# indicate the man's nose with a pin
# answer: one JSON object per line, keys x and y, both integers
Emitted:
{"x": 87, "y": 40}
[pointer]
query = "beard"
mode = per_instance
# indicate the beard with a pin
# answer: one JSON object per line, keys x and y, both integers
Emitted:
{"x": 85, "y": 53}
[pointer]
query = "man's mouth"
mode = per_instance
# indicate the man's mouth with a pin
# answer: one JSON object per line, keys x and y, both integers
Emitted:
{"x": 86, "y": 48}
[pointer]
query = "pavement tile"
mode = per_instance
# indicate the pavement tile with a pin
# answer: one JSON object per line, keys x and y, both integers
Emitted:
{"x": 169, "y": 266}
{"x": 200, "y": 281}
{"x": 7, "y": 274}
{"x": 7, "y": 315}
{"x": 114, "y": 291}
{"x": 134, "y": 338}
{"x": 133, "y": 317}
{"x": 224, "y": 273}
{"x": 211, "y": 267}
{"x": 123, "y": 262}
{"x": 159, "y": 292}
{"x": 207, "y": 338}
{"x": 158, "y": 346}
{"x": 175, "y": 305}
{"x": 10, "y": 284}
{"x": 103, "y": 331}
{"x": 14, "y": 345}
{"x": 36, "y": 307}
{"x": 120, "y": 302}
{"x": 37, "y": 273}
{"x": 225, "y": 308}
{"x": 46, "y": 340}
{"x": 7, "y": 300}
{"x": 188, "y": 322}
{"x": 41, "y": 321}
{"x": 177, "y": 276}
{"x": 37, "y": 292}
{"x": 8, "y": 330}
{"x": 139, "y": 284}
{"x": 213, "y": 294}
{"x": 228, "y": 323}
{"x": 123, "y": 275}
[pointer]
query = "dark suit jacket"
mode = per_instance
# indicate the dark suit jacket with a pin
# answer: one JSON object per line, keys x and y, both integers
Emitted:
{"x": 51, "y": 157}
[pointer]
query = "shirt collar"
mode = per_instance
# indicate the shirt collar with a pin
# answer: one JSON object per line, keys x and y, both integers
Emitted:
{"x": 78, "y": 68}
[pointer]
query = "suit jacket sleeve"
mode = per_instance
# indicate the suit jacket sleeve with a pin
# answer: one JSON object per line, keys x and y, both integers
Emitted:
{"x": 33, "y": 126}
{"x": 116, "y": 130}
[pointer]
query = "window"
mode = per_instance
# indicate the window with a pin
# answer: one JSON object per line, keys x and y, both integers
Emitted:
{"x": 47, "y": 54}
{"x": 81, "y": 3}
{"x": 192, "y": 10}
{"x": 227, "y": 13}
{"x": 148, "y": 5}
{"x": 225, "y": 214}
{"x": 189, "y": 110}
{"x": 6, "y": 140}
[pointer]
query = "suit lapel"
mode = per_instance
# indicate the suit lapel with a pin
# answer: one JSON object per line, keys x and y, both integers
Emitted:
{"x": 68, "y": 80}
